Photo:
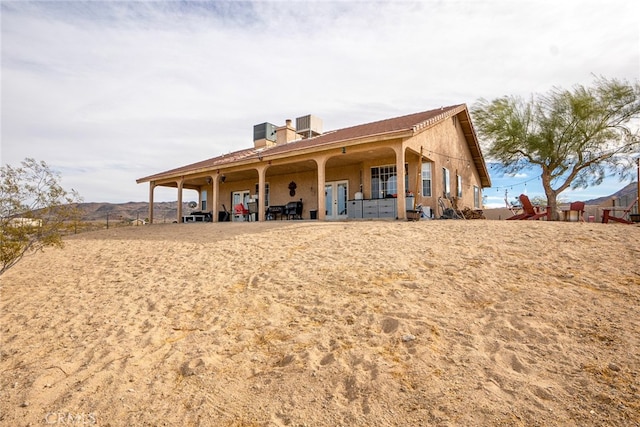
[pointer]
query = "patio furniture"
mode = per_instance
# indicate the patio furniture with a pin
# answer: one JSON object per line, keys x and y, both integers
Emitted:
{"x": 293, "y": 210}
{"x": 198, "y": 216}
{"x": 575, "y": 210}
{"x": 253, "y": 210}
{"x": 224, "y": 215}
{"x": 274, "y": 210}
{"x": 625, "y": 218}
{"x": 530, "y": 212}
{"x": 240, "y": 211}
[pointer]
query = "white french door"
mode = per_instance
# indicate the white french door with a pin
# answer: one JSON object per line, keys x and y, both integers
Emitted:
{"x": 336, "y": 195}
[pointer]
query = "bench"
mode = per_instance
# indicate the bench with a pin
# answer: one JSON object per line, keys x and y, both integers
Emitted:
{"x": 198, "y": 217}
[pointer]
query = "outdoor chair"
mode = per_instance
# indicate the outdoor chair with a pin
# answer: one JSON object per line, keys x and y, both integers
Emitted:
{"x": 293, "y": 210}
{"x": 577, "y": 207}
{"x": 240, "y": 211}
{"x": 625, "y": 218}
{"x": 530, "y": 212}
{"x": 224, "y": 215}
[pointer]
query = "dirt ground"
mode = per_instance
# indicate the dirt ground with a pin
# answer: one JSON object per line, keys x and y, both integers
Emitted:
{"x": 294, "y": 323}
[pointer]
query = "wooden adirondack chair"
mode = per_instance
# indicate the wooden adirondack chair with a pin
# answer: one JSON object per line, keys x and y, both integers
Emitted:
{"x": 624, "y": 218}
{"x": 530, "y": 212}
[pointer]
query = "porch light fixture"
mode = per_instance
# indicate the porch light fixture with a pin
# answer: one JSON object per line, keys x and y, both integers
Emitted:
{"x": 344, "y": 150}
{"x": 223, "y": 178}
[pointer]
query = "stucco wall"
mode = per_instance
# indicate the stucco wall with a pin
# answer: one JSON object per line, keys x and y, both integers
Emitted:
{"x": 306, "y": 187}
{"x": 444, "y": 144}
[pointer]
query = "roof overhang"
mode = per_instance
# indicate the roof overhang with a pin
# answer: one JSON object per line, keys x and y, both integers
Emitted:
{"x": 474, "y": 147}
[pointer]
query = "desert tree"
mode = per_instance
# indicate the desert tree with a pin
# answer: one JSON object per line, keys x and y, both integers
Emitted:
{"x": 35, "y": 211}
{"x": 576, "y": 137}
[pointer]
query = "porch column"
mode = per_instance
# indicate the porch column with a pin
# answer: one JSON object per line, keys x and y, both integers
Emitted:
{"x": 321, "y": 162}
{"x": 152, "y": 186}
{"x": 262, "y": 209}
{"x": 401, "y": 206}
{"x": 180, "y": 181}
{"x": 215, "y": 188}
{"x": 210, "y": 196}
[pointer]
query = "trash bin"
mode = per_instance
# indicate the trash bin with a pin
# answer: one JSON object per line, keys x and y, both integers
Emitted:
{"x": 314, "y": 214}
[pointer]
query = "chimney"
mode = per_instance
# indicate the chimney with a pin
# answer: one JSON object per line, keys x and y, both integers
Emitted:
{"x": 286, "y": 133}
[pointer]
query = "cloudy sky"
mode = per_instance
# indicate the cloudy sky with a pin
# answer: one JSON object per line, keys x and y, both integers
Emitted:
{"x": 107, "y": 92}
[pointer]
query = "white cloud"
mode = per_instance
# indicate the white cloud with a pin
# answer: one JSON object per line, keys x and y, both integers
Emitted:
{"x": 112, "y": 91}
{"x": 519, "y": 175}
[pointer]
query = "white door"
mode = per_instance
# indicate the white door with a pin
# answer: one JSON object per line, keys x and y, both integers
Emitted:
{"x": 237, "y": 198}
{"x": 336, "y": 195}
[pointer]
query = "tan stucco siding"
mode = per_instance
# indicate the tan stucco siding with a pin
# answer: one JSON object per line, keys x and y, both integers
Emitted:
{"x": 306, "y": 189}
{"x": 444, "y": 144}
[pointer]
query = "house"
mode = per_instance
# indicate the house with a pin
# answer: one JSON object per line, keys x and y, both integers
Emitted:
{"x": 374, "y": 170}
{"x": 25, "y": 222}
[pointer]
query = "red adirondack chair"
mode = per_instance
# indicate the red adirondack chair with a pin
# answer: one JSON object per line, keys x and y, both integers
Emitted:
{"x": 624, "y": 218}
{"x": 530, "y": 212}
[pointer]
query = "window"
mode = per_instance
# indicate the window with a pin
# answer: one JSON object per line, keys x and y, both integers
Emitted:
{"x": 459, "y": 185}
{"x": 203, "y": 198}
{"x": 426, "y": 179}
{"x": 384, "y": 181}
{"x": 266, "y": 190}
{"x": 476, "y": 197}
{"x": 446, "y": 183}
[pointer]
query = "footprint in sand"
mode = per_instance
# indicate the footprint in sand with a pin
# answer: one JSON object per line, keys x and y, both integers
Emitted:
{"x": 390, "y": 325}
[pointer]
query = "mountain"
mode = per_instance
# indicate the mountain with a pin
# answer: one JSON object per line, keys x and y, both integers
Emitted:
{"x": 626, "y": 195}
{"x": 168, "y": 211}
{"x": 127, "y": 211}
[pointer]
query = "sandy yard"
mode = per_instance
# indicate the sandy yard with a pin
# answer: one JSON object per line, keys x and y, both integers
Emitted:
{"x": 291, "y": 323}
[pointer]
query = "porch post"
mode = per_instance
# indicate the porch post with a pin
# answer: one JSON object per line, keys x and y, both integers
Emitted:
{"x": 210, "y": 204}
{"x": 401, "y": 199}
{"x": 262, "y": 209}
{"x": 215, "y": 184}
{"x": 152, "y": 186}
{"x": 321, "y": 162}
{"x": 180, "y": 181}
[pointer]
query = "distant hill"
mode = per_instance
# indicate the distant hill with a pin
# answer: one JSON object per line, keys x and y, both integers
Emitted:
{"x": 626, "y": 195}
{"x": 168, "y": 211}
{"x": 128, "y": 211}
